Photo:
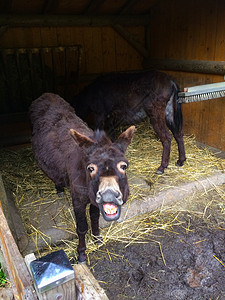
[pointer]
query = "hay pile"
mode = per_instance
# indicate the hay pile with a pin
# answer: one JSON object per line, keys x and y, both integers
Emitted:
{"x": 145, "y": 154}
{"x": 33, "y": 190}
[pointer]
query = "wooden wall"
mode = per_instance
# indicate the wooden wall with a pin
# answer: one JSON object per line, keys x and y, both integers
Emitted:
{"x": 187, "y": 30}
{"x": 104, "y": 50}
{"x": 193, "y": 30}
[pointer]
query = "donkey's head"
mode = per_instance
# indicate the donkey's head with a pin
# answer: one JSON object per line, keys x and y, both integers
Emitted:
{"x": 106, "y": 170}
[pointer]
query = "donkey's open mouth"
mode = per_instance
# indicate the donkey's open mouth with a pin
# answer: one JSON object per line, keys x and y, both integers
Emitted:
{"x": 109, "y": 202}
{"x": 110, "y": 211}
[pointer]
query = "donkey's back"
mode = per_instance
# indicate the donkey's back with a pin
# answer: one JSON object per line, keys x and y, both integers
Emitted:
{"x": 127, "y": 98}
{"x": 51, "y": 119}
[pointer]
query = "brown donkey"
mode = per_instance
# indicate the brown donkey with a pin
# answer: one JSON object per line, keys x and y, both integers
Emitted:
{"x": 128, "y": 98}
{"x": 71, "y": 154}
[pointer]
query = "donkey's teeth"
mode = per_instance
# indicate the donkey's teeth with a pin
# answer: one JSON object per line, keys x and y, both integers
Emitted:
{"x": 110, "y": 209}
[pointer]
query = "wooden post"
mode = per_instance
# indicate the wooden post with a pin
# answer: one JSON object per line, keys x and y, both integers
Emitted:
{"x": 65, "y": 291}
{"x": 85, "y": 285}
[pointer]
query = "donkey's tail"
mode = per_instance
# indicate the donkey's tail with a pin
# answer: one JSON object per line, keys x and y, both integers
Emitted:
{"x": 174, "y": 118}
{"x": 178, "y": 117}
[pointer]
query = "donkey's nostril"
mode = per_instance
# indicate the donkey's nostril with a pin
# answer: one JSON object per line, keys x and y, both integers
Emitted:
{"x": 98, "y": 197}
{"x": 108, "y": 196}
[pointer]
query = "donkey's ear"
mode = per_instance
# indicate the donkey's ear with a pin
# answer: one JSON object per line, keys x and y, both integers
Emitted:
{"x": 81, "y": 139}
{"x": 125, "y": 139}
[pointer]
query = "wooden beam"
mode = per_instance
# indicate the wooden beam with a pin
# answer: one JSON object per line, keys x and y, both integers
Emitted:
{"x": 93, "y": 6}
{"x": 193, "y": 66}
{"x": 71, "y": 20}
{"x": 131, "y": 40}
{"x": 127, "y": 6}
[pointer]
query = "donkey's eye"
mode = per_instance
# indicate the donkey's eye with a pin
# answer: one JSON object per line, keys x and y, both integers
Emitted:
{"x": 92, "y": 168}
{"x": 122, "y": 166}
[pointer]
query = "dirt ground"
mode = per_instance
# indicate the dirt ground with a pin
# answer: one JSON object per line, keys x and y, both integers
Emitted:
{"x": 185, "y": 261}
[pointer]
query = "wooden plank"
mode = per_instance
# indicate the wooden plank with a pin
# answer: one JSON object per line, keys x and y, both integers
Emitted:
{"x": 19, "y": 276}
{"x": 71, "y": 20}
{"x": 87, "y": 287}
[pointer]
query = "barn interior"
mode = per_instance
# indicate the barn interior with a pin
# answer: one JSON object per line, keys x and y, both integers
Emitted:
{"x": 62, "y": 46}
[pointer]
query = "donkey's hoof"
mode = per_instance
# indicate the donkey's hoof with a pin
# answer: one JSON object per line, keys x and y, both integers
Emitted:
{"x": 159, "y": 172}
{"x": 60, "y": 194}
{"x": 179, "y": 164}
{"x": 98, "y": 240}
{"x": 82, "y": 258}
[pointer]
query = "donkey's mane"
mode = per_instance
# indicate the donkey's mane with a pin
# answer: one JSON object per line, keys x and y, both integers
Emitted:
{"x": 100, "y": 136}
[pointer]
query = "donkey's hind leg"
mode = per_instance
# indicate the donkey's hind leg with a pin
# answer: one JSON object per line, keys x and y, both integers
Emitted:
{"x": 159, "y": 125}
{"x": 165, "y": 138}
{"x": 178, "y": 135}
{"x": 176, "y": 128}
{"x": 59, "y": 190}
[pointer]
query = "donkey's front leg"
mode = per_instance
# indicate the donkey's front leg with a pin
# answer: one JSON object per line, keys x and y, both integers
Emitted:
{"x": 94, "y": 215}
{"x": 82, "y": 228}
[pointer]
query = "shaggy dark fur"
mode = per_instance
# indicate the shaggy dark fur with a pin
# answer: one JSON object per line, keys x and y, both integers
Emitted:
{"x": 71, "y": 154}
{"x": 128, "y": 98}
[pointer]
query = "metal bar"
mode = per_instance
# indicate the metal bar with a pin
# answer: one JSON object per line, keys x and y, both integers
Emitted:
{"x": 41, "y": 53}
{"x": 19, "y": 74}
{"x": 53, "y": 69}
{"x": 7, "y": 80}
{"x": 66, "y": 77}
{"x": 30, "y": 60}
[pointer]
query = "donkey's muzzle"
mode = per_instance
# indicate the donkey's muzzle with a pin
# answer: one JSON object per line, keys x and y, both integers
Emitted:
{"x": 109, "y": 203}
